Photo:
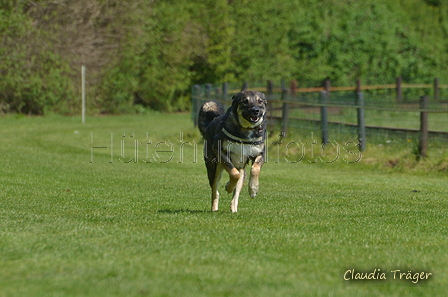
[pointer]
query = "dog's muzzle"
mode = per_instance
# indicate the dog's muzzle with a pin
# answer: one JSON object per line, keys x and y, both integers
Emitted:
{"x": 254, "y": 115}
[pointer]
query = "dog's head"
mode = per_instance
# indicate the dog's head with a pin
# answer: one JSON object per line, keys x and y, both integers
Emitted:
{"x": 250, "y": 108}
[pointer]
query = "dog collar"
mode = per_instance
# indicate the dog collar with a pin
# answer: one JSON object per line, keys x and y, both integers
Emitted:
{"x": 256, "y": 141}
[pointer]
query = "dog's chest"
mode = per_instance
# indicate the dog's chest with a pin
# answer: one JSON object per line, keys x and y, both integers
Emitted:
{"x": 240, "y": 152}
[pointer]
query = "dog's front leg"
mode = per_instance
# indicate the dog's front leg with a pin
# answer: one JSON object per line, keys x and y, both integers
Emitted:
{"x": 237, "y": 191}
{"x": 254, "y": 176}
{"x": 234, "y": 177}
{"x": 234, "y": 174}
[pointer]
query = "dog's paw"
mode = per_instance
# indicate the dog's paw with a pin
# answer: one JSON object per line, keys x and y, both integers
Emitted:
{"x": 229, "y": 187}
{"x": 253, "y": 193}
{"x": 233, "y": 207}
{"x": 253, "y": 189}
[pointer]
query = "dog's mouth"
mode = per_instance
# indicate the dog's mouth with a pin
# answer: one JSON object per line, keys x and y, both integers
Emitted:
{"x": 254, "y": 119}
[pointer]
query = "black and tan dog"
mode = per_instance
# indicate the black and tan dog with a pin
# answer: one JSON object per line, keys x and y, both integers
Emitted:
{"x": 232, "y": 140}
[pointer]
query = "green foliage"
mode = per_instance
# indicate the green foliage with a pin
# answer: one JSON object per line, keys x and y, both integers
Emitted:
{"x": 34, "y": 78}
{"x": 150, "y": 52}
{"x": 152, "y": 65}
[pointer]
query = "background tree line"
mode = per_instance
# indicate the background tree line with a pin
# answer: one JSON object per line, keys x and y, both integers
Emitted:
{"x": 149, "y": 52}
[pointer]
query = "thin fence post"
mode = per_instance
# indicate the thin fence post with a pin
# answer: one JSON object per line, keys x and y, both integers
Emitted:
{"x": 285, "y": 113}
{"x": 436, "y": 89}
{"x": 195, "y": 90}
{"x": 423, "y": 145}
{"x": 245, "y": 86}
{"x": 361, "y": 121}
{"x": 358, "y": 86}
{"x": 225, "y": 90}
{"x": 208, "y": 91}
{"x": 217, "y": 94}
{"x": 83, "y": 98}
{"x": 270, "y": 95}
{"x": 327, "y": 86}
{"x": 399, "y": 90}
{"x": 324, "y": 116}
{"x": 293, "y": 89}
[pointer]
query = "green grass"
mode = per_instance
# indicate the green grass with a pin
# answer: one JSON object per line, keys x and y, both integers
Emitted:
{"x": 69, "y": 227}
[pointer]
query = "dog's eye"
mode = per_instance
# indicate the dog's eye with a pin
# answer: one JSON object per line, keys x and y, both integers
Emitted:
{"x": 260, "y": 101}
{"x": 246, "y": 101}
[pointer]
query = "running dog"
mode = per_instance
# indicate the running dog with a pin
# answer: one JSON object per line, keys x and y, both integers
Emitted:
{"x": 232, "y": 140}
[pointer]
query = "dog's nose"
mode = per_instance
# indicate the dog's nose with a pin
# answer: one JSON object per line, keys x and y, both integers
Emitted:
{"x": 255, "y": 110}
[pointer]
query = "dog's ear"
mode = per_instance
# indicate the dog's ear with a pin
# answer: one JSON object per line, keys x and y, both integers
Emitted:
{"x": 237, "y": 96}
{"x": 235, "y": 101}
{"x": 262, "y": 96}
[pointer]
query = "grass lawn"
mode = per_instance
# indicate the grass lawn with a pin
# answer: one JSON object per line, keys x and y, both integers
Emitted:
{"x": 119, "y": 206}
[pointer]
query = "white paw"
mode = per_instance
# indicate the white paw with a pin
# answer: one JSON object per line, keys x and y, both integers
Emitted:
{"x": 233, "y": 208}
{"x": 252, "y": 194}
{"x": 253, "y": 190}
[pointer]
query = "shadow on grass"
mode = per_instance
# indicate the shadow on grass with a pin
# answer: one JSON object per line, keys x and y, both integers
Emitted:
{"x": 182, "y": 210}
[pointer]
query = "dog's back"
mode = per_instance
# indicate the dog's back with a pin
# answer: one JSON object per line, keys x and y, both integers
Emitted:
{"x": 208, "y": 111}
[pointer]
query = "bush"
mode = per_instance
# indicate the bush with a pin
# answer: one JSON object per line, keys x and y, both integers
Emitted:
{"x": 34, "y": 78}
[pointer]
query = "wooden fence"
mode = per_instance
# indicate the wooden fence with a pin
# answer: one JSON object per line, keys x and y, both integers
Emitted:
{"x": 282, "y": 100}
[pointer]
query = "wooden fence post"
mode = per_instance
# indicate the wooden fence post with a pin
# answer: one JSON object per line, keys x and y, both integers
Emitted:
{"x": 218, "y": 94}
{"x": 195, "y": 90}
{"x": 208, "y": 91}
{"x": 423, "y": 145}
{"x": 324, "y": 117}
{"x": 83, "y": 95}
{"x": 327, "y": 86}
{"x": 399, "y": 90}
{"x": 225, "y": 90}
{"x": 269, "y": 97}
{"x": 270, "y": 88}
{"x": 293, "y": 88}
{"x": 285, "y": 111}
{"x": 324, "y": 96}
{"x": 358, "y": 86}
{"x": 436, "y": 89}
{"x": 245, "y": 86}
{"x": 361, "y": 121}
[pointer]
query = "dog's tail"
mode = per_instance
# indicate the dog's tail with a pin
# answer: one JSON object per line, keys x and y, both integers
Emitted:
{"x": 208, "y": 111}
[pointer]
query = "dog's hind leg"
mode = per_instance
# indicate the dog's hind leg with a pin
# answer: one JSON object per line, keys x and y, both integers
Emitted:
{"x": 215, "y": 185}
{"x": 254, "y": 176}
{"x": 237, "y": 191}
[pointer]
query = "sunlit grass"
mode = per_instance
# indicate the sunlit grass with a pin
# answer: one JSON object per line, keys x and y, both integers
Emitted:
{"x": 76, "y": 225}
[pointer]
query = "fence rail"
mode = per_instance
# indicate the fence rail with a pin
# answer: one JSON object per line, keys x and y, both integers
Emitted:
{"x": 398, "y": 85}
{"x": 344, "y": 106}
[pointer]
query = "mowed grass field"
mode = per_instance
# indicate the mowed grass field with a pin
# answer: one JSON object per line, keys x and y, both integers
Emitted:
{"x": 119, "y": 206}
